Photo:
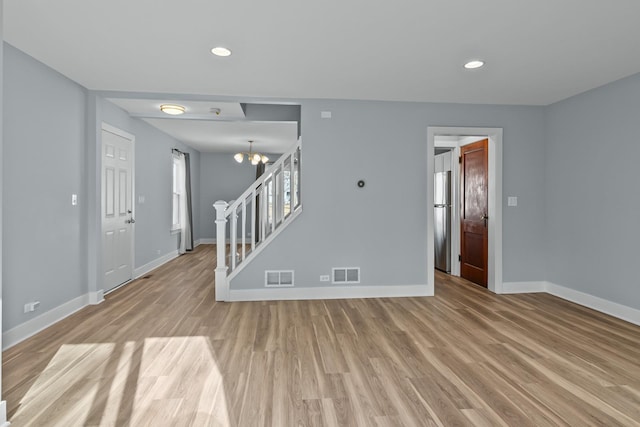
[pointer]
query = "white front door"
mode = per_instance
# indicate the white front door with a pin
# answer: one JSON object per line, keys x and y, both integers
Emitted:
{"x": 117, "y": 208}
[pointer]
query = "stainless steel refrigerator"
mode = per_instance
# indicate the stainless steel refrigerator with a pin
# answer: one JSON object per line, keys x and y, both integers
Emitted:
{"x": 442, "y": 220}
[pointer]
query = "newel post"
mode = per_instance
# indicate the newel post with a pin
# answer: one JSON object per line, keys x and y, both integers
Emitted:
{"x": 222, "y": 287}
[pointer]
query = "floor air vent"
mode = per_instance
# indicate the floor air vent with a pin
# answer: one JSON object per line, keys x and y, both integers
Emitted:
{"x": 278, "y": 278}
{"x": 346, "y": 275}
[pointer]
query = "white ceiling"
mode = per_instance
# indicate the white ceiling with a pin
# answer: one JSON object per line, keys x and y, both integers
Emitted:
{"x": 207, "y": 132}
{"x": 537, "y": 52}
{"x": 193, "y": 109}
{"x": 230, "y": 137}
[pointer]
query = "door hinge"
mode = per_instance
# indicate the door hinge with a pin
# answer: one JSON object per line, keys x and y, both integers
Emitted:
{"x": 459, "y": 257}
{"x": 459, "y": 159}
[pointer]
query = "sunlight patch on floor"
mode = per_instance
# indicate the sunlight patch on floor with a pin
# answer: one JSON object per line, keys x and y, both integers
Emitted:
{"x": 74, "y": 374}
{"x": 171, "y": 386}
{"x": 160, "y": 381}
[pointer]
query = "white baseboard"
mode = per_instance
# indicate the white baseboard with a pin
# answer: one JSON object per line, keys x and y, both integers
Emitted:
{"x": 328, "y": 292}
{"x": 523, "y": 287}
{"x": 97, "y": 297}
{"x": 629, "y": 314}
{"x": 33, "y": 326}
{"x": 3, "y": 414}
{"x": 150, "y": 266}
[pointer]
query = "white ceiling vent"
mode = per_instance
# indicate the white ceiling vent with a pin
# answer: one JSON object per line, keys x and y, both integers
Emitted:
{"x": 278, "y": 278}
{"x": 345, "y": 275}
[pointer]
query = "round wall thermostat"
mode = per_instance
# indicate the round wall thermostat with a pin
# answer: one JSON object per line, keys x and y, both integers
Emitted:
{"x": 361, "y": 183}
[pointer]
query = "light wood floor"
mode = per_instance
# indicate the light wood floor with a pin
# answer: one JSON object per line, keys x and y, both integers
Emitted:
{"x": 161, "y": 352}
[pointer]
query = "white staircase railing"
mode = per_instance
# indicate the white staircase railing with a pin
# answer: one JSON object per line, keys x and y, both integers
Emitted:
{"x": 256, "y": 217}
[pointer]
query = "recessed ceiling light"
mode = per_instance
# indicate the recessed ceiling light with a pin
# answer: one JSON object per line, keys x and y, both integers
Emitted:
{"x": 221, "y": 51}
{"x": 476, "y": 63}
{"x": 172, "y": 109}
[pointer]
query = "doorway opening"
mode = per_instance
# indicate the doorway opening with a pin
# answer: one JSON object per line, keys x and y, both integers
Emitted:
{"x": 443, "y": 155}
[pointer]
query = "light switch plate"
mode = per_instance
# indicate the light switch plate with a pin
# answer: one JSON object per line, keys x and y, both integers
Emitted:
{"x": 74, "y": 199}
{"x": 325, "y": 114}
{"x": 512, "y": 201}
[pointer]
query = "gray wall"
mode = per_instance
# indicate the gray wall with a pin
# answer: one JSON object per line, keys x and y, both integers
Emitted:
{"x": 382, "y": 228}
{"x": 153, "y": 181}
{"x": 221, "y": 178}
{"x": 44, "y": 134}
{"x": 47, "y": 136}
{"x": 592, "y": 194}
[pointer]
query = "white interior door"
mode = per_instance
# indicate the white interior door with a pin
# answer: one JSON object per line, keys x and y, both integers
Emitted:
{"x": 117, "y": 208}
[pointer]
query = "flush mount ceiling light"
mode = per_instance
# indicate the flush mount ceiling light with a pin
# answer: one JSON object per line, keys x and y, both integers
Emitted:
{"x": 472, "y": 65}
{"x": 254, "y": 158}
{"x": 172, "y": 109}
{"x": 221, "y": 51}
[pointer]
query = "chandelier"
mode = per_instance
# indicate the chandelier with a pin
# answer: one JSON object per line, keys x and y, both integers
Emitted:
{"x": 254, "y": 158}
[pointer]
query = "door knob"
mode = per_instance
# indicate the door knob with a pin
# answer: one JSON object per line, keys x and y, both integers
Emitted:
{"x": 130, "y": 221}
{"x": 485, "y": 217}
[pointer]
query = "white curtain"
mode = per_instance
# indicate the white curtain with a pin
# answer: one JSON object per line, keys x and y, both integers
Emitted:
{"x": 185, "y": 226}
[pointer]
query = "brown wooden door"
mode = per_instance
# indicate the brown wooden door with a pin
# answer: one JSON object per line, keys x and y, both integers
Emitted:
{"x": 474, "y": 213}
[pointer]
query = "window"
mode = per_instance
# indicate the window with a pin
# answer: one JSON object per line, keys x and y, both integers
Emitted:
{"x": 175, "y": 222}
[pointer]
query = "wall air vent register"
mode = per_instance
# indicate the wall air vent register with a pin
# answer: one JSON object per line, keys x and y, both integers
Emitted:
{"x": 345, "y": 275}
{"x": 278, "y": 278}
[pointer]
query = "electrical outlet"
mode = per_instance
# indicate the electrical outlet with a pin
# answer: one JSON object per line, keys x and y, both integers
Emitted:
{"x": 324, "y": 278}
{"x": 31, "y": 306}
{"x": 157, "y": 251}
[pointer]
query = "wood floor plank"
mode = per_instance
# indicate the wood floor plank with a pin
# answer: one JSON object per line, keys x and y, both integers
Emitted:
{"x": 411, "y": 410}
{"x": 438, "y": 401}
{"x": 160, "y": 351}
